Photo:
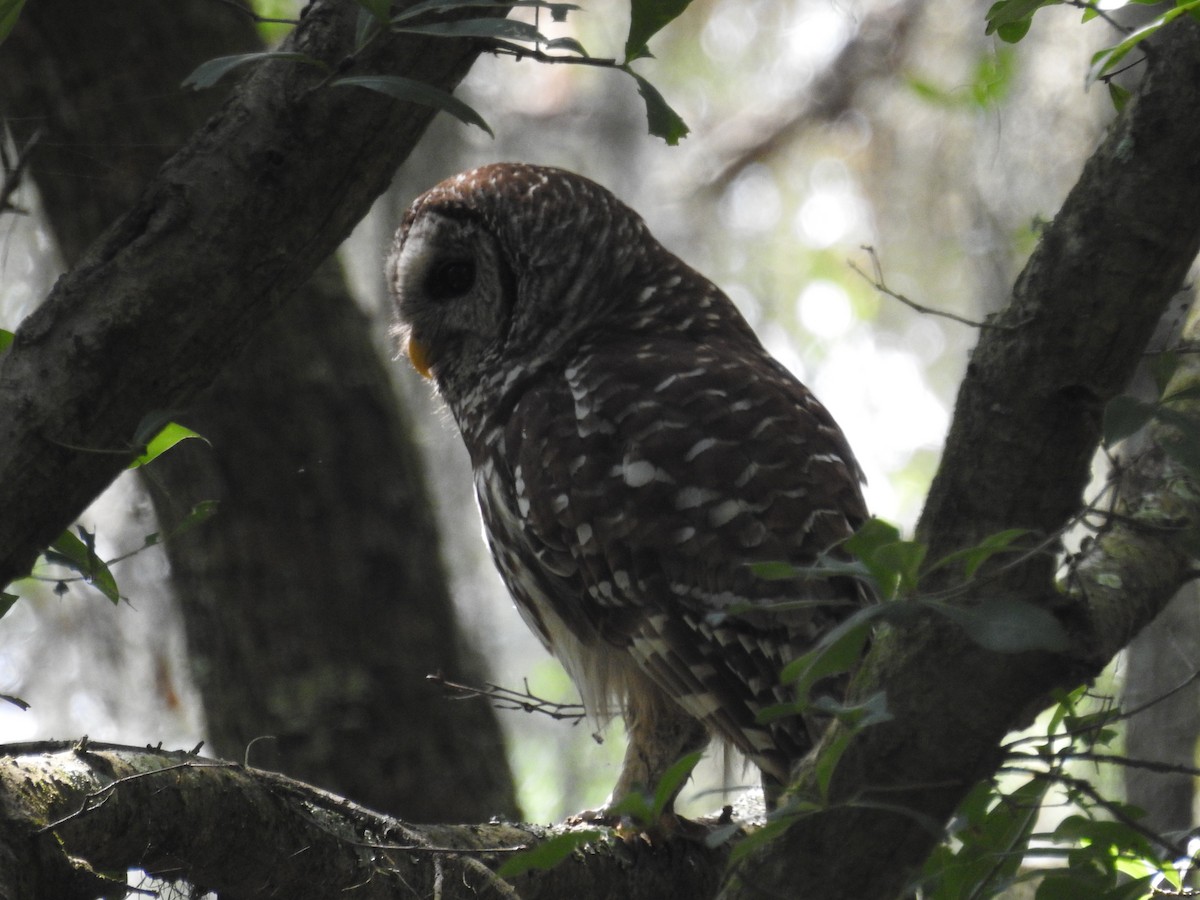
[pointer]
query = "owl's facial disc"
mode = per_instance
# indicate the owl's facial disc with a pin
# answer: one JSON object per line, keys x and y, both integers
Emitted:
{"x": 448, "y": 278}
{"x": 452, "y": 293}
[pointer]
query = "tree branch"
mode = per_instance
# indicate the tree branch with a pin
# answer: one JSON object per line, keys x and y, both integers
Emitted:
{"x": 235, "y": 221}
{"x": 1019, "y": 453}
{"x": 68, "y": 812}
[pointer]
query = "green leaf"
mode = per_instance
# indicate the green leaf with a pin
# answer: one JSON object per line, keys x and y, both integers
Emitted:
{"x": 776, "y": 825}
{"x": 1185, "y": 451}
{"x": 1183, "y": 445}
{"x": 6, "y": 339}
{"x": 1007, "y": 14}
{"x": 151, "y": 424}
{"x": 773, "y": 571}
{"x": 672, "y": 780}
{"x": 1191, "y": 392}
{"x": 1124, "y": 415}
{"x": 837, "y": 651}
{"x": 168, "y": 436}
{"x": 826, "y": 763}
{"x": 894, "y": 564}
{"x": 1007, "y": 625}
{"x": 974, "y": 557}
{"x": 201, "y": 512}
{"x": 79, "y": 554}
{"x": 1105, "y": 61}
{"x": 418, "y": 92}
{"x": 1102, "y": 833}
{"x": 646, "y": 19}
{"x": 6, "y": 601}
{"x": 993, "y": 76}
{"x": 992, "y": 832}
{"x": 663, "y": 121}
{"x": 824, "y": 568}
{"x": 871, "y": 711}
{"x": 1119, "y": 95}
{"x": 209, "y": 73}
{"x": 903, "y": 558}
{"x": 549, "y": 853}
{"x": 929, "y": 91}
{"x": 10, "y": 11}
{"x": 506, "y": 29}
{"x": 568, "y": 44}
{"x": 1014, "y": 31}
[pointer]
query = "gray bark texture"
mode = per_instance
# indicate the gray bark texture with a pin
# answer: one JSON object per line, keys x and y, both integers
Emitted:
{"x": 231, "y": 226}
{"x": 258, "y": 834}
{"x": 1026, "y": 426}
{"x": 314, "y": 602}
{"x": 1161, "y": 667}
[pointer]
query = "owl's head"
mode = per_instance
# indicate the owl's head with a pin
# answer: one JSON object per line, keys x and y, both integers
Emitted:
{"x": 511, "y": 265}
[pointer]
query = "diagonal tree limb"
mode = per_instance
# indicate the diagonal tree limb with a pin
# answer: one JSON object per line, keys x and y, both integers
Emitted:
{"x": 248, "y": 833}
{"x": 235, "y": 221}
{"x": 1019, "y": 453}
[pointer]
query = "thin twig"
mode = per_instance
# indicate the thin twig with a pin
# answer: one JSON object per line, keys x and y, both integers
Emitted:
{"x": 1100, "y": 14}
{"x": 507, "y": 698}
{"x": 877, "y": 282}
{"x": 1115, "y": 810}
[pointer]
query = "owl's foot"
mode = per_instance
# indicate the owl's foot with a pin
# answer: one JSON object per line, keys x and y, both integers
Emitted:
{"x": 665, "y": 825}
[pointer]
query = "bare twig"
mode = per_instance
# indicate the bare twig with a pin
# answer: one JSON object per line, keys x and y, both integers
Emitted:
{"x": 1100, "y": 12}
{"x": 507, "y": 48}
{"x": 507, "y": 698}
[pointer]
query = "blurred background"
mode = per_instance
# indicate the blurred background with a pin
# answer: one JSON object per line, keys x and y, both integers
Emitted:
{"x": 834, "y": 143}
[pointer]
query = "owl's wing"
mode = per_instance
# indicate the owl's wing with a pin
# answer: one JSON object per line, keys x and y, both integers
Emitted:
{"x": 652, "y": 477}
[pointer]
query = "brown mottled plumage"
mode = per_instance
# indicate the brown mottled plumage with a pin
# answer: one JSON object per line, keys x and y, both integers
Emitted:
{"x": 634, "y": 449}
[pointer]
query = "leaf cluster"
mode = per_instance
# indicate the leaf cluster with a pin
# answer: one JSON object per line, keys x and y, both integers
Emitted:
{"x": 1125, "y": 415}
{"x": 512, "y": 37}
{"x": 1010, "y": 20}
{"x": 1097, "y": 849}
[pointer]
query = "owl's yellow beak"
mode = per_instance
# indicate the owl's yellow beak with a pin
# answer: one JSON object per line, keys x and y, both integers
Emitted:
{"x": 419, "y": 357}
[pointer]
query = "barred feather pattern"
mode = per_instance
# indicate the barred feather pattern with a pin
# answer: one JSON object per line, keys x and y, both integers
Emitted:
{"x": 635, "y": 451}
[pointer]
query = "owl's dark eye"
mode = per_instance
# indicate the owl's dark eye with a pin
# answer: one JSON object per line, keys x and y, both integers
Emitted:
{"x": 450, "y": 278}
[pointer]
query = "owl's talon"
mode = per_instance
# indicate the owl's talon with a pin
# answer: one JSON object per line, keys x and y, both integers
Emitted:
{"x": 668, "y": 825}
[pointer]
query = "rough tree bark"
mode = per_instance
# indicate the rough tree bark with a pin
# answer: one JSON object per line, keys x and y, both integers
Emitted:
{"x": 1162, "y": 663}
{"x": 269, "y": 836}
{"x": 232, "y": 225}
{"x": 315, "y": 604}
{"x": 1026, "y": 427}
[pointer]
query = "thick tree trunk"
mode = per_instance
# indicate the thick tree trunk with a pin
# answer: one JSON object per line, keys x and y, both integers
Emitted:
{"x": 1160, "y": 680}
{"x": 1019, "y": 453}
{"x": 315, "y": 603}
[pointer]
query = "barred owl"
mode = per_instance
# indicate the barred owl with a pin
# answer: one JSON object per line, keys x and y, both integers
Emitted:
{"x": 635, "y": 451}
